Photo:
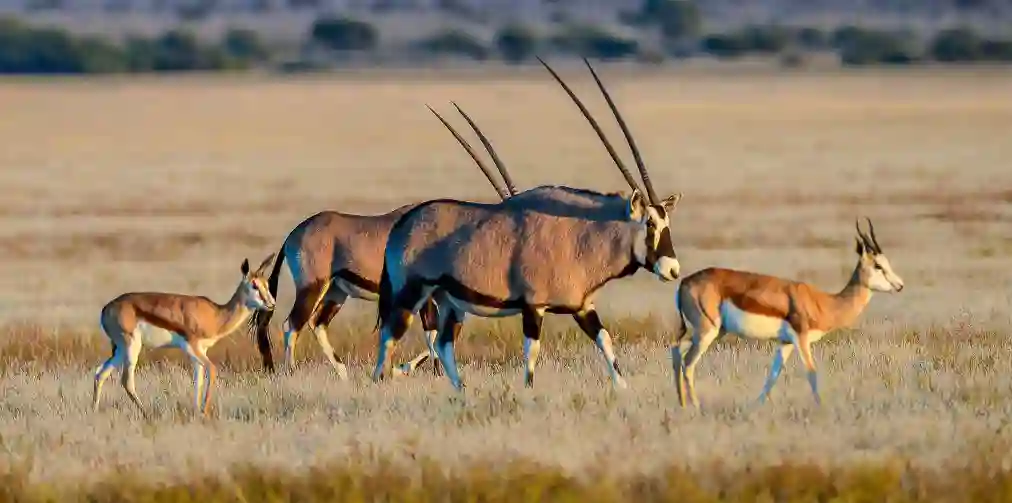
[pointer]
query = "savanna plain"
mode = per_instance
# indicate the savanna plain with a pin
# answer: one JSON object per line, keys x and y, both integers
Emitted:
{"x": 113, "y": 185}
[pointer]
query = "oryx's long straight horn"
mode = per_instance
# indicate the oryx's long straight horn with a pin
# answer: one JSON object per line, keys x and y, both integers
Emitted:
{"x": 651, "y": 193}
{"x": 467, "y": 146}
{"x": 597, "y": 127}
{"x": 510, "y": 186}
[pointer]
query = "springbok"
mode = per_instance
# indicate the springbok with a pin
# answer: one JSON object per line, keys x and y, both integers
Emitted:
{"x": 521, "y": 256}
{"x": 187, "y": 322}
{"x": 718, "y": 301}
{"x": 334, "y": 256}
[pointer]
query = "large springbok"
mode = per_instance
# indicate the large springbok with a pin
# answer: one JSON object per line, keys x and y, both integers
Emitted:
{"x": 334, "y": 256}
{"x": 521, "y": 256}
{"x": 190, "y": 323}
{"x": 756, "y": 306}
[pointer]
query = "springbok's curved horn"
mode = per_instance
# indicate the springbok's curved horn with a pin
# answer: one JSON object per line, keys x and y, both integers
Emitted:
{"x": 628, "y": 136}
{"x": 593, "y": 123}
{"x": 864, "y": 238}
{"x": 510, "y": 187}
{"x": 467, "y": 146}
{"x": 874, "y": 240}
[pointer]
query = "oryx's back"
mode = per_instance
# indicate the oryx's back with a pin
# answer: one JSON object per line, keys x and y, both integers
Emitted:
{"x": 331, "y": 240}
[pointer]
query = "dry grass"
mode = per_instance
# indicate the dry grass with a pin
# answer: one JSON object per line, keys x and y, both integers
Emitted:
{"x": 115, "y": 185}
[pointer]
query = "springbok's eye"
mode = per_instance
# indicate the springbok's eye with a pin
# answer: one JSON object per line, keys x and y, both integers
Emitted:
{"x": 878, "y": 266}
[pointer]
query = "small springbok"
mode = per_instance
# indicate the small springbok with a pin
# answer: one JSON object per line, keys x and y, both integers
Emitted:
{"x": 190, "y": 323}
{"x": 756, "y": 306}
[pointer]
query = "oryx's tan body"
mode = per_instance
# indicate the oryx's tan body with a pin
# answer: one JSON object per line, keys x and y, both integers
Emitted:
{"x": 510, "y": 254}
{"x": 549, "y": 249}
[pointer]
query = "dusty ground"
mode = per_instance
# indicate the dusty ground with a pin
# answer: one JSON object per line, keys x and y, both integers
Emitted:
{"x": 113, "y": 185}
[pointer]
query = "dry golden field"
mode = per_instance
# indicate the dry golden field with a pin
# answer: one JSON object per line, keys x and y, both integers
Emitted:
{"x": 112, "y": 185}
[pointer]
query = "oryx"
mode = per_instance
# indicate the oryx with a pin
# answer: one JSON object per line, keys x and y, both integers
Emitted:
{"x": 521, "y": 256}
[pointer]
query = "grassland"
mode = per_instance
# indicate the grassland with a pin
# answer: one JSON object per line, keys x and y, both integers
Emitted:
{"x": 116, "y": 185}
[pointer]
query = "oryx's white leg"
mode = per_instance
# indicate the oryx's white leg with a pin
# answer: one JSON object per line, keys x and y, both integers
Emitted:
{"x": 783, "y": 354}
{"x": 451, "y": 320}
{"x": 430, "y": 324}
{"x": 590, "y": 323}
{"x": 532, "y": 321}
{"x": 308, "y": 300}
{"x": 291, "y": 337}
{"x": 132, "y": 353}
{"x": 330, "y": 307}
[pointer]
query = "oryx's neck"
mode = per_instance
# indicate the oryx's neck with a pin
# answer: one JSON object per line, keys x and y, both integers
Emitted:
{"x": 611, "y": 256}
{"x": 852, "y": 299}
{"x": 232, "y": 314}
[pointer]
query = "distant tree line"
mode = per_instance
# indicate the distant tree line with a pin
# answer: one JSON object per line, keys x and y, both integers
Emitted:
{"x": 676, "y": 27}
{"x": 35, "y": 50}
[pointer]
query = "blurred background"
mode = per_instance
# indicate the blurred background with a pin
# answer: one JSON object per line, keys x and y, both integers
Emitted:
{"x": 112, "y": 36}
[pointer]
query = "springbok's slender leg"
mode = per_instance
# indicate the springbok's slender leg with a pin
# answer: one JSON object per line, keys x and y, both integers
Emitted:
{"x": 102, "y": 374}
{"x": 701, "y": 341}
{"x": 783, "y": 354}
{"x": 133, "y": 351}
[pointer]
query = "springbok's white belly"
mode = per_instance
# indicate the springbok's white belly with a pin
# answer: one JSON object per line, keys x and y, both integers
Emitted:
{"x": 157, "y": 337}
{"x": 737, "y": 321}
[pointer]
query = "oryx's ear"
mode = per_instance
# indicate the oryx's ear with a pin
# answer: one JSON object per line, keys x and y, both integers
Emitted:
{"x": 860, "y": 246}
{"x": 264, "y": 264}
{"x": 245, "y": 267}
{"x": 637, "y": 207}
{"x": 671, "y": 201}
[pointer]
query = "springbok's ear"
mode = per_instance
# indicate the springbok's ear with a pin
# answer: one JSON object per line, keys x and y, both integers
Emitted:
{"x": 672, "y": 201}
{"x": 637, "y": 208}
{"x": 263, "y": 265}
{"x": 860, "y": 247}
{"x": 245, "y": 267}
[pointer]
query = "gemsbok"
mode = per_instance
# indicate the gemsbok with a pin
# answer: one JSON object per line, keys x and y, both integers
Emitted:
{"x": 191, "y": 323}
{"x": 555, "y": 199}
{"x": 718, "y": 301}
{"x": 334, "y": 256}
{"x": 526, "y": 255}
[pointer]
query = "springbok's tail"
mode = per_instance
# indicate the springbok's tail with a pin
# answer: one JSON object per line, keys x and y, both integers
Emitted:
{"x": 259, "y": 324}
{"x": 681, "y": 315}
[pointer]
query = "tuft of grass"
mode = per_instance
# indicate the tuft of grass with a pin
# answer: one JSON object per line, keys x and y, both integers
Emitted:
{"x": 520, "y": 481}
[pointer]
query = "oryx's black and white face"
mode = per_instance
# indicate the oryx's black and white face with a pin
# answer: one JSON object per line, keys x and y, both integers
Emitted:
{"x": 653, "y": 248}
{"x": 256, "y": 295}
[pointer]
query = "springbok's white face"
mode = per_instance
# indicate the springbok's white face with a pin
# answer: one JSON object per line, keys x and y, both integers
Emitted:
{"x": 654, "y": 249}
{"x": 256, "y": 295}
{"x": 876, "y": 271}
